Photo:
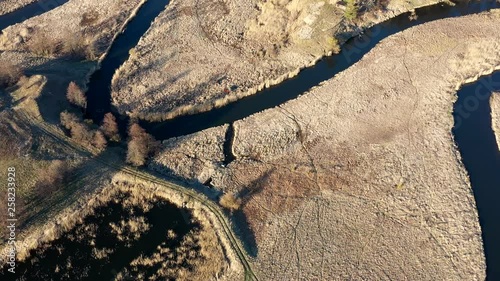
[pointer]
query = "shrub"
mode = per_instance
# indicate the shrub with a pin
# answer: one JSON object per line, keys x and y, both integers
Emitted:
{"x": 333, "y": 45}
{"x": 351, "y": 11}
{"x": 140, "y": 145}
{"x": 99, "y": 141}
{"x": 9, "y": 74}
{"x": 76, "y": 47}
{"x": 81, "y": 132}
{"x": 89, "y": 18}
{"x": 76, "y": 96}
{"x": 230, "y": 202}
{"x": 110, "y": 128}
{"x": 71, "y": 45}
{"x": 44, "y": 46}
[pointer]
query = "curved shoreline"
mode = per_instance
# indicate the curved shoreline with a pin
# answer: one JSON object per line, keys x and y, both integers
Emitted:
{"x": 179, "y": 111}
{"x": 276, "y": 95}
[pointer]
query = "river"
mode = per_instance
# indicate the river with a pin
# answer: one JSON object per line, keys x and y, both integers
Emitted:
{"x": 473, "y": 134}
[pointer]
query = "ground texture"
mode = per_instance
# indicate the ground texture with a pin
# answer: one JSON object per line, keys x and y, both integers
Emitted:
{"x": 360, "y": 178}
{"x": 220, "y": 51}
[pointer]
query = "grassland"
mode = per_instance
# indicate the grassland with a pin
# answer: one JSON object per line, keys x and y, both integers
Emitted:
{"x": 360, "y": 178}
{"x": 221, "y": 51}
{"x": 7, "y": 6}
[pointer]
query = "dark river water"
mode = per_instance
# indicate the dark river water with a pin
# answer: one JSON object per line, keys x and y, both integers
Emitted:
{"x": 481, "y": 157}
{"x": 473, "y": 132}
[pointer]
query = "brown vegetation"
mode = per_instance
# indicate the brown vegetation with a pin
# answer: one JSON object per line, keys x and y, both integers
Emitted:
{"x": 89, "y": 18}
{"x": 230, "y": 202}
{"x": 81, "y": 132}
{"x": 76, "y": 96}
{"x": 110, "y": 128}
{"x": 141, "y": 145}
{"x": 69, "y": 45}
{"x": 124, "y": 218}
{"x": 9, "y": 74}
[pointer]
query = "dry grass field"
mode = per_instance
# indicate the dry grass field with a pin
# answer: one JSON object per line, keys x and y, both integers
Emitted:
{"x": 220, "y": 51}
{"x": 87, "y": 25}
{"x": 359, "y": 178}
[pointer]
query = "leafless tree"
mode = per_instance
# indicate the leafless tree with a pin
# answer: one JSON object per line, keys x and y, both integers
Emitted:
{"x": 76, "y": 96}
{"x": 99, "y": 141}
{"x": 140, "y": 145}
{"x": 110, "y": 128}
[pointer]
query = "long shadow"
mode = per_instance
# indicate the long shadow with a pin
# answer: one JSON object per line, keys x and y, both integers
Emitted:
{"x": 31, "y": 10}
{"x": 481, "y": 157}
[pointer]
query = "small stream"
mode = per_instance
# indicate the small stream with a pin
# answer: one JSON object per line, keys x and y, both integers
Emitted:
{"x": 351, "y": 53}
{"x": 481, "y": 157}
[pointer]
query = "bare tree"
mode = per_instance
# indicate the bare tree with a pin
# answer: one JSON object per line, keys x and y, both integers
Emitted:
{"x": 110, "y": 128}
{"x": 82, "y": 134}
{"x": 140, "y": 145}
{"x": 68, "y": 119}
{"x": 99, "y": 141}
{"x": 76, "y": 96}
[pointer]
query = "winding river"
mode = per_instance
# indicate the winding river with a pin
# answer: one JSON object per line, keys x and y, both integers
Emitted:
{"x": 473, "y": 133}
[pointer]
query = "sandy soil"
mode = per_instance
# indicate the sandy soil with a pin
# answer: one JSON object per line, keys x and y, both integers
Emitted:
{"x": 220, "y": 51}
{"x": 7, "y": 6}
{"x": 495, "y": 115}
{"x": 96, "y": 21}
{"x": 360, "y": 179}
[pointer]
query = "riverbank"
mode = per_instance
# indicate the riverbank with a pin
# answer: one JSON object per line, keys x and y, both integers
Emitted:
{"x": 362, "y": 179}
{"x": 495, "y": 116}
{"x": 224, "y": 58}
{"x": 90, "y": 24}
{"x": 7, "y": 6}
